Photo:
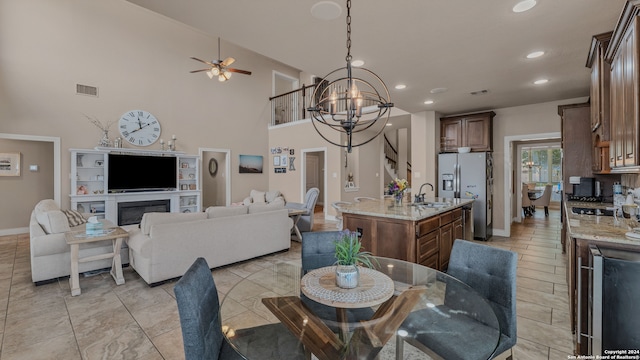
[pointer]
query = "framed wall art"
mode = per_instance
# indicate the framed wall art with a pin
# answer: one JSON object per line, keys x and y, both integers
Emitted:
{"x": 250, "y": 164}
{"x": 10, "y": 164}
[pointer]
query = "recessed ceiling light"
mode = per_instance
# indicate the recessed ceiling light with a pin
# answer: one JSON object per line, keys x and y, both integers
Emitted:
{"x": 541, "y": 81}
{"x": 428, "y": 102}
{"x": 389, "y": 124}
{"x": 524, "y": 6}
{"x": 535, "y": 54}
{"x": 326, "y": 10}
{"x": 438, "y": 90}
{"x": 357, "y": 63}
{"x": 401, "y": 86}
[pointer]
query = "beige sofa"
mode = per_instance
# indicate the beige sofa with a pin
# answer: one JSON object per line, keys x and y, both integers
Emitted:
{"x": 50, "y": 254}
{"x": 168, "y": 243}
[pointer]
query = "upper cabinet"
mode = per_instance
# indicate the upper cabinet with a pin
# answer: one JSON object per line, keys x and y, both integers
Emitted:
{"x": 472, "y": 130}
{"x": 600, "y": 102}
{"x": 622, "y": 54}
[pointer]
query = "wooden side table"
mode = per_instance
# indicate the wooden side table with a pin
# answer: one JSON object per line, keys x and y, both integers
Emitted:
{"x": 75, "y": 238}
{"x": 296, "y": 214}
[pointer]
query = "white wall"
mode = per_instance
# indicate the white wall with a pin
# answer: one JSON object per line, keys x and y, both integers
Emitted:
{"x": 138, "y": 60}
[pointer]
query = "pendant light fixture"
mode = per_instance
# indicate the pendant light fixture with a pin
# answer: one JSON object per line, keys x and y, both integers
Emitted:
{"x": 352, "y": 101}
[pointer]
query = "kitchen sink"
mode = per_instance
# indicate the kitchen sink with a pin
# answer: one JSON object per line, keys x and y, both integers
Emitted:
{"x": 591, "y": 211}
{"x": 432, "y": 204}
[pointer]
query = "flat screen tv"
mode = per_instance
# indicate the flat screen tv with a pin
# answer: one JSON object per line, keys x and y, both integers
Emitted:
{"x": 129, "y": 173}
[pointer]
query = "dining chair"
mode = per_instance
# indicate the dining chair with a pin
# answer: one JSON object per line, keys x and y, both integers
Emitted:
{"x": 526, "y": 201}
{"x": 310, "y": 199}
{"x": 544, "y": 199}
{"x": 318, "y": 250}
{"x": 363, "y": 198}
{"x": 491, "y": 272}
{"x": 336, "y": 205}
{"x": 199, "y": 311}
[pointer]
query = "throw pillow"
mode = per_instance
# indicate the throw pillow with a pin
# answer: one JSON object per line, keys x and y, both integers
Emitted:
{"x": 75, "y": 217}
{"x": 257, "y": 196}
{"x": 272, "y": 195}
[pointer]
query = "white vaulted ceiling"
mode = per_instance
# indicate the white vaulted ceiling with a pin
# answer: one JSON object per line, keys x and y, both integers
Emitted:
{"x": 462, "y": 45}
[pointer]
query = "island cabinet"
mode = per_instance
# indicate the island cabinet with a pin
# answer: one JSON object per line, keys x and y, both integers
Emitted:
{"x": 623, "y": 55}
{"x": 426, "y": 241}
{"x": 472, "y": 130}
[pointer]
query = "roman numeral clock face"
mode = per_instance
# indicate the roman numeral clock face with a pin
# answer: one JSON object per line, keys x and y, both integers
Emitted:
{"x": 139, "y": 127}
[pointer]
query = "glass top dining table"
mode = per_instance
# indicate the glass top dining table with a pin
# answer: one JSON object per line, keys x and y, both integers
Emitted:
{"x": 394, "y": 299}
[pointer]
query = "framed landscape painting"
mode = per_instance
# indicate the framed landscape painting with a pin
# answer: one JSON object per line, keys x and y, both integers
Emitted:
{"x": 250, "y": 164}
{"x": 10, "y": 164}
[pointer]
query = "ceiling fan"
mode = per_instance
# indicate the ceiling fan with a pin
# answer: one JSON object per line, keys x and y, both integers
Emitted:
{"x": 220, "y": 68}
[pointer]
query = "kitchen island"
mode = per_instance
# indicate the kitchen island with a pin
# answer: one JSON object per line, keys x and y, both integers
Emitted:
{"x": 421, "y": 234}
{"x": 582, "y": 232}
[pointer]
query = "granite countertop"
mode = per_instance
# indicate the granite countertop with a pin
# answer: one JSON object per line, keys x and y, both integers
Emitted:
{"x": 599, "y": 228}
{"x": 387, "y": 209}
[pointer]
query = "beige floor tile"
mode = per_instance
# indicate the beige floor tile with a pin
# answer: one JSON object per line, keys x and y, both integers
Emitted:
{"x": 158, "y": 319}
{"x": 527, "y": 350}
{"x": 524, "y": 264}
{"x": 559, "y": 354}
{"x": 170, "y": 344}
{"x": 541, "y": 333}
{"x": 542, "y": 275}
{"x": 545, "y": 299}
{"x": 24, "y": 331}
{"x": 544, "y": 260}
{"x": 561, "y": 319}
{"x": 63, "y": 346}
{"x": 119, "y": 341}
{"x": 534, "y": 284}
{"x": 534, "y": 311}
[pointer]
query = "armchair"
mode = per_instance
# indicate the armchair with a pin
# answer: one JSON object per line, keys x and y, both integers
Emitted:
{"x": 544, "y": 199}
{"x": 306, "y": 220}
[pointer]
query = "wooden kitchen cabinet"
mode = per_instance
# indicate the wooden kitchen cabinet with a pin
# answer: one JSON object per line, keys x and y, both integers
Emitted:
{"x": 472, "y": 130}
{"x": 623, "y": 55}
{"x": 576, "y": 141}
{"x": 600, "y": 102}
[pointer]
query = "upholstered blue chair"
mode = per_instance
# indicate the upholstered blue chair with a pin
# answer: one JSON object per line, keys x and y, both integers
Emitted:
{"x": 318, "y": 250}
{"x": 306, "y": 220}
{"x": 199, "y": 310}
{"x": 491, "y": 272}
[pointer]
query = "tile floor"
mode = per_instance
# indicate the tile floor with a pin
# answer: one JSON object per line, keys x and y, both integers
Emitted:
{"x": 134, "y": 321}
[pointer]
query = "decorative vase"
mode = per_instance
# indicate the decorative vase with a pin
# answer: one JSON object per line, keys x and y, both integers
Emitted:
{"x": 105, "y": 142}
{"x": 347, "y": 276}
{"x": 398, "y": 199}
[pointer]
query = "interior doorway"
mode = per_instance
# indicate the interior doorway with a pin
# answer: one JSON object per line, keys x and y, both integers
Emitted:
{"x": 314, "y": 174}
{"x": 215, "y": 177}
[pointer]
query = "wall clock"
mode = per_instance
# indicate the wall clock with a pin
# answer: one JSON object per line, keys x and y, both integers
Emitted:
{"x": 139, "y": 127}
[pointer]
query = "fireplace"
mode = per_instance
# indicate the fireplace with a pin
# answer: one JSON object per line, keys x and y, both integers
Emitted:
{"x": 131, "y": 212}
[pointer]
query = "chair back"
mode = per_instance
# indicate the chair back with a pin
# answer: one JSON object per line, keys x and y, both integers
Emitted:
{"x": 318, "y": 249}
{"x": 311, "y": 198}
{"x": 545, "y": 198}
{"x": 526, "y": 201}
{"x": 491, "y": 272}
{"x": 199, "y": 310}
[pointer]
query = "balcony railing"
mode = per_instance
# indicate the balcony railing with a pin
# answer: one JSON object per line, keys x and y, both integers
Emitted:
{"x": 292, "y": 106}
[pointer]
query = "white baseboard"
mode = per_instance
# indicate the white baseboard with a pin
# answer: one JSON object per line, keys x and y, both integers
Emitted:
{"x": 500, "y": 232}
{"x": 15, "y": 231}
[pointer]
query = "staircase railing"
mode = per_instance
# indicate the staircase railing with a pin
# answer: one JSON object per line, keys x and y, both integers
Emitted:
{"x": 291, "y": 106}
{"x": 391, "y": 154}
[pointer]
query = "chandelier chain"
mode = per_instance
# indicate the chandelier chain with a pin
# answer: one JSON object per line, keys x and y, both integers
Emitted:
{"x": 348, "y": 58}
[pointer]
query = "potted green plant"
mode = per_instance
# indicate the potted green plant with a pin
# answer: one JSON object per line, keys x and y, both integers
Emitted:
{"x": 349, "y": 254}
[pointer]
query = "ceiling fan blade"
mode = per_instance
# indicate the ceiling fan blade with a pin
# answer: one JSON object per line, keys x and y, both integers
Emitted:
{"x": 195, "y": 71}
{"x": 239, "y": 71}
{"x": 228, "y": 61}
{"x": 202, "y": 61}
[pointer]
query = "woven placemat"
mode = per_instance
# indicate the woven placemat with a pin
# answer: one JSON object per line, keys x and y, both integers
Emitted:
{"x": 375, "y": 288}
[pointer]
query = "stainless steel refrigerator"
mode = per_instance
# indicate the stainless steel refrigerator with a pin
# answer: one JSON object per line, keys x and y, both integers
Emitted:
{"x": 469, "y": 176}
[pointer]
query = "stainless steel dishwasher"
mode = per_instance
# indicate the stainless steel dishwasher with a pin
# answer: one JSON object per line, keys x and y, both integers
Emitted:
{"x": 614, "y": 317}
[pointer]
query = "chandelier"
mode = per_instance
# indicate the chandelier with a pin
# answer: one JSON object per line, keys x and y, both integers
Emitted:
{"x": 356, "y": 103}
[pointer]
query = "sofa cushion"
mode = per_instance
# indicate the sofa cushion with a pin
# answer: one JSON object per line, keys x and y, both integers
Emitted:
{"x": 270, "y": 196}
{"x": 258, "y": 208}
{"x": 53, "y": 222}
{"x": 74, "y": 217}
{"x": 222, "y": 211}
{"x": 149, "y": 219}
{"x": 257, "y": 196}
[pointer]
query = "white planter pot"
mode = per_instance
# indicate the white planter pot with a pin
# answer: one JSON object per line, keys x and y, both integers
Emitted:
{"x": 347, "y": 276}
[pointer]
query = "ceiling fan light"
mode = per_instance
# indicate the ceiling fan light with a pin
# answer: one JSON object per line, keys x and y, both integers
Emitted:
{"x": 210, "y": 74}
{"x": 215, "y": 71}
{"x": 227, "y": 74}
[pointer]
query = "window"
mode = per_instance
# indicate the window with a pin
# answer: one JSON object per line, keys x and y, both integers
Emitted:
{"x": 542, "y": 165}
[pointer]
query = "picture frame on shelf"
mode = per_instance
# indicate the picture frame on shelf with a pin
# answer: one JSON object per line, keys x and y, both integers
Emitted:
{"x": 10, "y": 164}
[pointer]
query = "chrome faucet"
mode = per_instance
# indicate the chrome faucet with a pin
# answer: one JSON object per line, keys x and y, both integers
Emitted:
{"x": 419, "y": 197}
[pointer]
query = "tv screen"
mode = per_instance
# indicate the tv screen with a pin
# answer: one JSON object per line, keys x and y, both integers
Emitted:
{"x": 141, "y": 173}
